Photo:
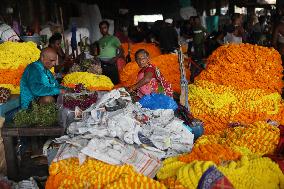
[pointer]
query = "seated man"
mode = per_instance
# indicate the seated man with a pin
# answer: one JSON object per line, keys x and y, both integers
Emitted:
{"x": 38, "y": 83}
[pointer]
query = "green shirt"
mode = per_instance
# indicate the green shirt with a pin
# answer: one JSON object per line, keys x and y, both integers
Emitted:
{"x": 108, "y": 45}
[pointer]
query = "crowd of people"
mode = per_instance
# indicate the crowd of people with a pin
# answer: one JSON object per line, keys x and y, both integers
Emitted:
{"x": 167, "y": 34}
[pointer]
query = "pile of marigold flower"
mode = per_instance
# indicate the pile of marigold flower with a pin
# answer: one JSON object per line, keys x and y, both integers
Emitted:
{"x": 150, "y": 47}
{"x": 235, "y": 151}
{"x": 168, "y": 65}
{"x": 96, "y": 174}
{"x": 242, "y": 84}
{"x": 254, "y": 173}
{"x": 89, "y": 80}
{"x": 14, "y": 57}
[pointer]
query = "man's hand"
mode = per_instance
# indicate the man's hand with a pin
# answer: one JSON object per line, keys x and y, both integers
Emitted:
{"x": 62, "y": 91}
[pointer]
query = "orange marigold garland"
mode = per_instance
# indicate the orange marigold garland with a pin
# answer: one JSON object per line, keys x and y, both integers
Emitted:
{"x": 150, "y": 47}
{"x": 245, "y": 66}
{"x": 242, "y": 83}
{"x": 260, "y": 138}
{"x": 96, "y": 174}
{"x": 210, "y": 152}
{"x": 168, "y": 65}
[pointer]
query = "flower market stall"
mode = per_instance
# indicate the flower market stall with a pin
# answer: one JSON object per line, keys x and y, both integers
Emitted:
{"x": 113, "y": 142}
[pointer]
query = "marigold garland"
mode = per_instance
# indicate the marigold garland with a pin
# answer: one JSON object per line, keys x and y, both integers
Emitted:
{"x": 218, "y": 105}
{"x": 14, "y": 57}
{"x": 259, "y": 173}
{"x": 15, "y": 54}
{"x": 11, "y": 76}
{"x": 210, "y": 152}
{"x": 168, "y": 65}
{"x": 150, "y": 47}
{"x": 89, "y": 80}
{"x": 245, "y": 66}
{"x": 96, "y": 174}
{"x": 246, "y": 173}
{"x": 13, "y": 88}
{"x": 260, "y": 138}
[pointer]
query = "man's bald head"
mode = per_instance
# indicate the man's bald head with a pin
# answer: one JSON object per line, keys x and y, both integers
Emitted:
{"x": 48, "y": 57}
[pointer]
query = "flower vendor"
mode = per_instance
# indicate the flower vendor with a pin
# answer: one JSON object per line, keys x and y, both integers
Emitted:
{"x": 150, "y": 80}
{"x": 37, "y": 82}
{"x": 109, "y": 46}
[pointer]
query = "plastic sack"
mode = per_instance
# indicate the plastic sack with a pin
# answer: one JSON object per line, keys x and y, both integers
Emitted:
{"x": 158, "y": 101}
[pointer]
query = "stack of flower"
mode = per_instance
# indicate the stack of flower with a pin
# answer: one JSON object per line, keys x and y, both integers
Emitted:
{"x": 89, "y": 80}
{"x": 96, "y": 174}
{"x": 14, "y": 57}
{"x": 260, "y": 138}
{"x": 168, "y": 65}
{"x": 150, "y": 47}
{"x": 245, "y": 66}
{"x": 241, "y": 83}
{"x": 247, "y": 173}
{"x": 217, "y": 105}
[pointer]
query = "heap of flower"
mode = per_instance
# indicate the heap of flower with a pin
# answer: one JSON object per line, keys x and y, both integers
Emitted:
{"x": 14, "y": 57}
{"x": 89, "y": 80}
{"x": 128, "y": 76}
{"x": 241, "y": 84}
{"x": 256, "y": 173}
{"x": 224, "y": 150}
{"x": 96, "y": 174}
{"x": 150, "y": 47}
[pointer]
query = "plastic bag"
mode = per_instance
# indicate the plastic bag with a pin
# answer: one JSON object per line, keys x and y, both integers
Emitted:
{"x": 158, "y": 101}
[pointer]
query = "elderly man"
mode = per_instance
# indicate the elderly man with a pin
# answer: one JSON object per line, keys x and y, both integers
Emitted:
{"x": 38, "y": 83}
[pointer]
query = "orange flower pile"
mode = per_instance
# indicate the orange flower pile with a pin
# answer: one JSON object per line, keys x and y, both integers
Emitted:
{"x": 245, "y": 66}
{"x": 96, "y": 174}
{"x": 11, "y": 76}
{"x": 241, "y": 83}
{"x": 150, "y": 47}
{"x": 210, "y": 152}
{"x": 260, "y": 138}
{"x": 168, "y": 65}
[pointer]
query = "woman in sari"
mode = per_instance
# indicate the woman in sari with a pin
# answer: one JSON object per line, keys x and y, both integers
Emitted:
{"x": 150, "y": 79}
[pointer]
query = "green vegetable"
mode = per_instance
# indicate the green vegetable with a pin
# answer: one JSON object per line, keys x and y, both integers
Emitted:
{"x": 38, "y": 115}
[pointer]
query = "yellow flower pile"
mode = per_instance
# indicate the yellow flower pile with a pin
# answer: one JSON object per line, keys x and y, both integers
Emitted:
{"x": 259, "y": 173}
{"x": 260, "y": 138}
{"x": 96, "y": 174}
{"x": 254, "y": 173}
{"x": 14, "y": 57}
{"x": 218, "y": 105}
{"x": 89, "y": 80}
{"x": 242, "y": 83}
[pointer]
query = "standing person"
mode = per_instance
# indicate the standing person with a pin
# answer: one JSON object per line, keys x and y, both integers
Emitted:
{"x": 199, "y": 36}
{"x": 38, "y": 83}
{"x": 150, "y": 80}
{"x": 109, "y": 51}
{"x": 278, "y": 38}
{"x": 187, "y": 33}
{"x": 168, "y": 37}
